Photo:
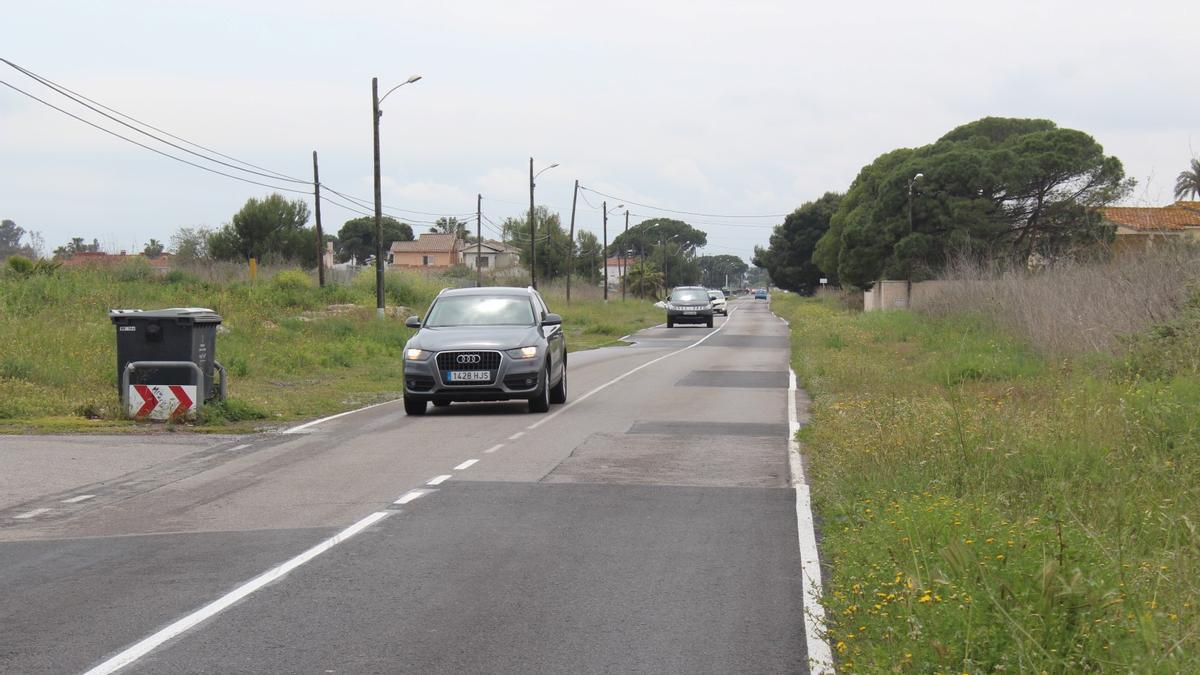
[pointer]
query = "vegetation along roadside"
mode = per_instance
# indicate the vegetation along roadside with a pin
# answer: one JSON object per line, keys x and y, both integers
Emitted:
{"x": 293, "y": 350}
{"x": 988, "y": 506}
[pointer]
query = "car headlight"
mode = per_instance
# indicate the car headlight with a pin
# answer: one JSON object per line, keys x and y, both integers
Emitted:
{"x": 523, "y": 352}
{"x": 415, "y": 354}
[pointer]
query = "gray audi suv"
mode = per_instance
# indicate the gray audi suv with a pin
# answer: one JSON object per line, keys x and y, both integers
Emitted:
{"x": 485, "y": 344}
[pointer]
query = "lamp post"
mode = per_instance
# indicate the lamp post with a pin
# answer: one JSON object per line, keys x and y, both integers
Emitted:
{"x": 911, "y": 185}
{"x": 532, "y": 227}
{"x": 376, "y": 113}
{"x": 604, "y": 207}
{"x": 624, "y": 259}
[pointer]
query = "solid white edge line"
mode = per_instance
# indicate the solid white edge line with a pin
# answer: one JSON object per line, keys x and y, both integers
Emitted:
{"x": 820, "y": 656}
{"x": 626, "y": 374}
{"x": 413, "y": 495}
{"x": 243, "y": 446}
{"x": 148, "y": 644}
{"x": 76, "y": 500}
{"x": 465, "y": 465}
{"x": 302, "y": 427}
{"x": 438, "y": 480}
{"x": 31, "y": 514}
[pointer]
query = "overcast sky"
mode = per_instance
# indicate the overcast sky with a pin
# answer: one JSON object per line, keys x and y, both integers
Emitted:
{"x": 729, "y": 108}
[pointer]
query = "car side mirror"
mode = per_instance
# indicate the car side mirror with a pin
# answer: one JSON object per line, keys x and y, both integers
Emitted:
{"x": 552, "y": 320}
{"x": 413, "y": 322}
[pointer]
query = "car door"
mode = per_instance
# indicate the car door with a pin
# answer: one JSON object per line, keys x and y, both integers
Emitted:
{"x": 555, "y": 340}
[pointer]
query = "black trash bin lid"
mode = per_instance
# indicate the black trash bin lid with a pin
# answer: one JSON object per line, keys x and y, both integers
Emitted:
{"x": 194, "y": 314}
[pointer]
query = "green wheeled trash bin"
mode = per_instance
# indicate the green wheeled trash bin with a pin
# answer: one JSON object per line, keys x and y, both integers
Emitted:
{"x": 166, "y": 361}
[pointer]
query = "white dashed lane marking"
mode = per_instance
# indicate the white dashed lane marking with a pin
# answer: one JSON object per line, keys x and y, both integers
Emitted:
{"x": 465, "y": 465}
{"x": 412, "y": 495}
{"x": 31, "y": 514}
{"x": 76, "y": 500}
{"x": 438, "y": 480}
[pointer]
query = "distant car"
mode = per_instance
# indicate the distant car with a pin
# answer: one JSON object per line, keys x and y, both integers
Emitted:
{"x": 689, "y": 304}
{"x": 718, "y": 302}
{"x": 760, "y": 294}
{"x": 485, "y": 344}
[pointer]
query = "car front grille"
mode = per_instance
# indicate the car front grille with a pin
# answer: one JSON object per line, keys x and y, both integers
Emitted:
{"x": 468, "y": 361}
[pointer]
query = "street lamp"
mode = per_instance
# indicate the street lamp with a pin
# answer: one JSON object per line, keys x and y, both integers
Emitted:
{"x": 604, "y": 207}
{"x": 911, "y": 184}
{"x": 532, "y": 228}
{"x": 376, "y": 113}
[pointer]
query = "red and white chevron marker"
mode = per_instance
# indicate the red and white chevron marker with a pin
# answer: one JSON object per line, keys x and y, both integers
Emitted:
{"x": 161, "y": 401}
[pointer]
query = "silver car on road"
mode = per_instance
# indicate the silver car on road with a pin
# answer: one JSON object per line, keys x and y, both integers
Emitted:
{"x": 485, "y": 344}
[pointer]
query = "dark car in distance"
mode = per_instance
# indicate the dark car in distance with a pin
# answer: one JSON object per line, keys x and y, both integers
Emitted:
{"x": 689, "y": 304}
{"x": 485, "y": 344}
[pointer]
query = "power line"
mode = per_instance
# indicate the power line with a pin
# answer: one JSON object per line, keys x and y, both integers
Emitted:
{"x": 266, "y": 173}
{"x": 147, "y": 147}
{"x": 711, "y": 224}
{"x": 688, "y": 213}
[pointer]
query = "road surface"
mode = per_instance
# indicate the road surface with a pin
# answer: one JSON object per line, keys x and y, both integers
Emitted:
{"x": 647, "y": 526}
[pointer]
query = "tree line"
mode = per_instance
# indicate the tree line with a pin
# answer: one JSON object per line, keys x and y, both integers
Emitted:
{"x": 998, "y": 189}
{"x": 661, "y": 252}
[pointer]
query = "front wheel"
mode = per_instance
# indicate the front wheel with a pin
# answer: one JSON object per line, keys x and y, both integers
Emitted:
{"x": 414, "y": 406}
{"x": 540, "y": 402}
{"x": 670, "y": 323}
{"x": 709, "y": 322}
{"x": 559, "y": 393}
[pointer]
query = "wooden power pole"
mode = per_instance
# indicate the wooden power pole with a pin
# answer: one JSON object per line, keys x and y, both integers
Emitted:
{"x": 478, "y": 239}
{"x": 571, "y": 243}
{"x": 320, "y": 234}
{"x": 604, "y": 251}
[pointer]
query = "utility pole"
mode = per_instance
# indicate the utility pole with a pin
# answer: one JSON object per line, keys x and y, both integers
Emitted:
{"x": 320, "y": 234}
{"x": 378, "y": 203}
{"x": 604, "y": 251}
{"x": 571, "y": 242}
{"x": 532, "y": 233}
{"x": 624, "y": 260}
{"x": 478, "y": 238}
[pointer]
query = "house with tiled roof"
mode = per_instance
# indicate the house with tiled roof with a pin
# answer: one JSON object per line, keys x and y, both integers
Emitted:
{"x": 1139, "y": 227}
{"x": 490, "y": 255}
{"x": 429, "y": 250}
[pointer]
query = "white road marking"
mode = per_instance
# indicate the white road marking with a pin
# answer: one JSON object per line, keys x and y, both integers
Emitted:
{"x": 235, "y": 448}
{"x": 413, "y": 495}
{"x": 31, "y": 514}
{"x": 465, "y": 465}
{"x": 494, "y": 448}
{"x": 76, "y": 500}
{"x": 300, "y": 429}
{"x": 438, "y": 480}
{"x": 516, "y": 435}
{"x": 618, "y": 378}
{"x": 820, "y": 657}
{"x": 148, "y": 644}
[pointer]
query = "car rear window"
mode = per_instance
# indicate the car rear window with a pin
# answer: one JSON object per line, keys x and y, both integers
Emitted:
{"x": 480, "y": 310}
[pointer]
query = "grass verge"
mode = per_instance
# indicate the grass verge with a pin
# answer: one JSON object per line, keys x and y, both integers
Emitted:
{"x": 293, "y": 351}
{"x": 984, "y": 509}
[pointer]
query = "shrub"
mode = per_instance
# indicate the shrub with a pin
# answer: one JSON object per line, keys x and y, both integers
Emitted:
{"x": 292, "y": 280}
{"x": 230, "y": 410}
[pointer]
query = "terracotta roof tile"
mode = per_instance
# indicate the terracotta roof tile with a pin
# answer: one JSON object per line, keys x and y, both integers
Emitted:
{"x": 1178, "y": 216}
{"x": 428, "y": 243}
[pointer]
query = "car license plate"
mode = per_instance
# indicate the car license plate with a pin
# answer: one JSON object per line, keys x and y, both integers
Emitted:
{"x": 689, "y": 314}
{"x": 469, "y": 376}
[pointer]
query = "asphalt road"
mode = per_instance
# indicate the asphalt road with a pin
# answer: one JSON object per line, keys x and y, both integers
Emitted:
{"x": 647, "y": 526}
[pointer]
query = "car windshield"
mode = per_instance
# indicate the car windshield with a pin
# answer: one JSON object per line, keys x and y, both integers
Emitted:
{"x": 684, "y": 296}
{"x": 716, "y": 295}
{"x": 480, "y": 310}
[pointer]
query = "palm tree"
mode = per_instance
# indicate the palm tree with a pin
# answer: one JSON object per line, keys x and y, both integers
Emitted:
{"x": 1188, "y": 182}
